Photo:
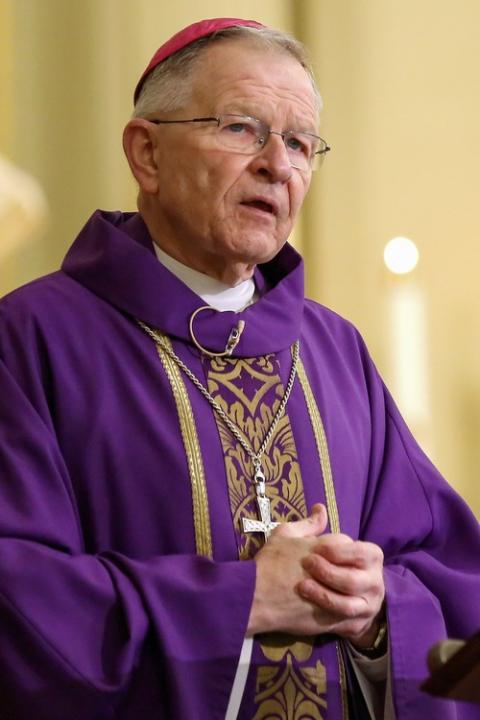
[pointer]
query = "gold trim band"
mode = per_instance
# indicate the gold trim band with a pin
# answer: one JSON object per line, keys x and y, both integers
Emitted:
{"x": 201, "y": 516}
{"x": 322, "y": 448}
{"x": 332, "y": 508}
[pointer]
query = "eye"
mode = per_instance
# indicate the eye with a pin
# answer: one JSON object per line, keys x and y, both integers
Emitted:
{"x": 236, "y": 127}
{"x": 238, "y": 132}
{"x": 239, "y": 128}
{"x": 298, "y": 144}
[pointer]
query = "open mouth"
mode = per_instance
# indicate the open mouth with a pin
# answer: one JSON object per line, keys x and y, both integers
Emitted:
{"x": 260, "y": 205}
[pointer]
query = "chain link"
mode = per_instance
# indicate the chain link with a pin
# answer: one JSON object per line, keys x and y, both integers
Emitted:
{"x": 256, "y": 457}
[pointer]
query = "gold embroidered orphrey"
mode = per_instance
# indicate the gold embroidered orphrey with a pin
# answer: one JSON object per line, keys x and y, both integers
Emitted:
{"x": 286, "y": 689}
{"x": 249, "y": 391}
{"x": 290, "y": 687}
{"x": 255, "y": 450}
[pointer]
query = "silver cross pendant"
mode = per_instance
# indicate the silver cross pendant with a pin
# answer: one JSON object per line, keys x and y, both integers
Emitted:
{"x": 265, "y": 525}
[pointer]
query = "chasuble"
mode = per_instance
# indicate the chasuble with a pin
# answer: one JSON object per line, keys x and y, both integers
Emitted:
{"x": 126, "y": 577}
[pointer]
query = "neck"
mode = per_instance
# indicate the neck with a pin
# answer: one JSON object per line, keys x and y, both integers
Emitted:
{"x": 230, "y": 276}
{"x": 231, "y": 273}
{"x": 213, "y": 292}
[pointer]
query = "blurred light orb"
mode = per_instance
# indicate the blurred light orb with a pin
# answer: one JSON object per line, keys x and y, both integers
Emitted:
{"x": 401, "y": 255}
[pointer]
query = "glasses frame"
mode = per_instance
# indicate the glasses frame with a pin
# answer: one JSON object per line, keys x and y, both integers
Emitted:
{"x": 267, "y": 132}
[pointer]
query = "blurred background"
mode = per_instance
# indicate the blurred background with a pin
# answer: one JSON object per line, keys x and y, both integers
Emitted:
{"x": 401, "y": 88}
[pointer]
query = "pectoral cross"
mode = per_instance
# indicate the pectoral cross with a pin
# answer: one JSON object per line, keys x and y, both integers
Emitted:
{"x": 265, "y": 524}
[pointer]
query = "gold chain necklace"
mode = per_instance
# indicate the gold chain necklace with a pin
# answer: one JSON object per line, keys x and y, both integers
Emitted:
{"x": 265, "y": 524}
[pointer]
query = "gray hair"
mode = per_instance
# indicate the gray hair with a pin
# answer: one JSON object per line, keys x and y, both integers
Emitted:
{"x": 169, "y": 86}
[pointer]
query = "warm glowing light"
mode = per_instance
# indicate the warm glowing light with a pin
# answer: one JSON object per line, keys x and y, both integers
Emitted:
{"x": 401, "y": 255}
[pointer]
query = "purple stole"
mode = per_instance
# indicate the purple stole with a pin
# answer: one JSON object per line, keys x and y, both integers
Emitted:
{"x": 290, "y": 678}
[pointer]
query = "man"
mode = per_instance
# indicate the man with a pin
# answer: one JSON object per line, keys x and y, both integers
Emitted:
{"x": 171, "y": 402}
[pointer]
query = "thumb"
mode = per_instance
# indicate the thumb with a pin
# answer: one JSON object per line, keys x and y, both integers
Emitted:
{"x": 312, "y": 526}
{"x": 319, "y": 515}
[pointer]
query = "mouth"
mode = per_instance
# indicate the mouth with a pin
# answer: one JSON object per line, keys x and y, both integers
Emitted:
{"x": 261, "y": 204}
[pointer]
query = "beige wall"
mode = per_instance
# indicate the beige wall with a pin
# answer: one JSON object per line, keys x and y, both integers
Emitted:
{"x": 74, "y": 66}
{"x": 402, "y": 94}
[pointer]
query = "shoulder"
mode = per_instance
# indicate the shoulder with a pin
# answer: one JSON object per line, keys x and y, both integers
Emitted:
{"x": 335, "y": 355}
{"x": 54, "y": 298}
{"x": 326, "y": 327}
{"x": 43, "y": 313}
{"x": 40, "y": 296}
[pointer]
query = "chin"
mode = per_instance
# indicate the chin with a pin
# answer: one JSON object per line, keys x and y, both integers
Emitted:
{"x": 269, "y": 253}
{"x": 259, "y": 249}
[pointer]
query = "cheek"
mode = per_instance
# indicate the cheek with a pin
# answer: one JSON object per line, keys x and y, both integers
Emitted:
{"x": 297, "y": 197}
{"x": 192, "y": 190}
{"x": 228, "y": 179}
{"x": 208, "y": 186}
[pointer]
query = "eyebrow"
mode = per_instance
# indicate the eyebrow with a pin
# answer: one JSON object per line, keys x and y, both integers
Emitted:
{"x": 258, "y": 116}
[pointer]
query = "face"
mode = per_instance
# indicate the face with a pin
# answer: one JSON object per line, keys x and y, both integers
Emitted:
{"x": 222, "y": 212}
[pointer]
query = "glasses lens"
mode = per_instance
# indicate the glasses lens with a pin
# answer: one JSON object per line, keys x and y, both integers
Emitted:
{"x": 302, "y": 148}
{"x": 319, "y": 157}
{"x": 244, "y": 134}
{"x": 241, "y": 133}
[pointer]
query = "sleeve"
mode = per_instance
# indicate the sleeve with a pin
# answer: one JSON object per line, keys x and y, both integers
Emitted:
{"x": 373, "y": 677}
{"x": 431, "y": 543}
{"x": 84, "y": 635}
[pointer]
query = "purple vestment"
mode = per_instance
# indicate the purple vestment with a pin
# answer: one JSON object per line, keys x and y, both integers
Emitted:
{"x": 106, "y": 609}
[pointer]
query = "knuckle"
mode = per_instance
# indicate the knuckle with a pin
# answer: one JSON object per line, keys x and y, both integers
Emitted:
{"x": 282, "y": 530}
{"x": 376, "y": 553}
{"x": 327, "y": 573}
{"x": 354, "y": 582}
{"x": 353, "y": 586}
{"x": 351, "y": 612}
{"x": 355, "y": 628}
{"x": 327, "y": 602}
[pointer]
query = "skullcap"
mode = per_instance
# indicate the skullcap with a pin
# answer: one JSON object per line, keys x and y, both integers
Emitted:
{"x": 186, "y": 36}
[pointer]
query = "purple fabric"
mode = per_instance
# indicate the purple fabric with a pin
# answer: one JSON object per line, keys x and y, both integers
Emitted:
{"x": 105, "y": 611}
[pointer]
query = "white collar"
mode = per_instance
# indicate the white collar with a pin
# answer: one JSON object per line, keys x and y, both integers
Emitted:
{"x": 213, "y": 292}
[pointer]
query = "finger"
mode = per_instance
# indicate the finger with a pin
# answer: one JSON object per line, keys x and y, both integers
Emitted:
{"x": 319, "y": 508}
{"x": 346, "y": 615}
{"x": 312, "y": 526}
{"x": 319, "y": 513}
{"x": 337, "y": 606}
{"x": 346, "y": 580}
{"x": 341, "y": 550}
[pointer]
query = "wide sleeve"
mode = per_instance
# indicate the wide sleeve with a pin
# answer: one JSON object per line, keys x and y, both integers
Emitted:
{"x": 82, "y": 634}
{"x": 431, "y": 543}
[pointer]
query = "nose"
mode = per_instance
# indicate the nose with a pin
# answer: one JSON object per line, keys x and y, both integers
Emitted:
{"x": 272, "y": 161}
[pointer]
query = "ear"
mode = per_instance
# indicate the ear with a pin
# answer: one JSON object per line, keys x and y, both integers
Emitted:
{"x": 140, "y": 145}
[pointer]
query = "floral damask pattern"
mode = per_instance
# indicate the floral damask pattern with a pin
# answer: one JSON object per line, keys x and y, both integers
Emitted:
{"x": 249, "y": 391}
{"x": 289, "y": 690}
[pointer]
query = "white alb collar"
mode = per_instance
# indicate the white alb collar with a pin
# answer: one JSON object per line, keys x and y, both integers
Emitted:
{"x": 213, "y": 292}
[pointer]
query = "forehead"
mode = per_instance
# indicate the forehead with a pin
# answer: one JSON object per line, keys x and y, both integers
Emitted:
{"x": 238, "y": 74}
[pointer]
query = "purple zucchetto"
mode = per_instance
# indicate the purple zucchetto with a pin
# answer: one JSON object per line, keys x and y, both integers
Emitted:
{"x": 186, "y": 36}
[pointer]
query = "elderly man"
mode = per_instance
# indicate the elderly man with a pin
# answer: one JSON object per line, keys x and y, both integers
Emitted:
{"x": 171, "y": 402}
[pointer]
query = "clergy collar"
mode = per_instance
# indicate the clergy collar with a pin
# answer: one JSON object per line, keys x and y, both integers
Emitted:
{"x": 113, "y": 257}
{"x": 213, "y": 292}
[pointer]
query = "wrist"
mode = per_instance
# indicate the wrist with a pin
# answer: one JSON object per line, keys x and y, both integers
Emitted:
{"x": 373, "y": 643}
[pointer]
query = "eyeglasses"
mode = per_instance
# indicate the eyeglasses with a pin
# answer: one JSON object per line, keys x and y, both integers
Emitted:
{"x": 249, "y": 135}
